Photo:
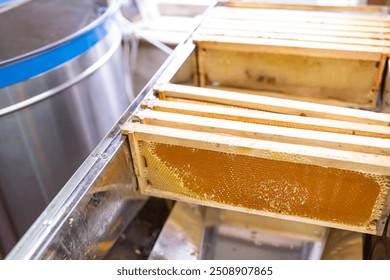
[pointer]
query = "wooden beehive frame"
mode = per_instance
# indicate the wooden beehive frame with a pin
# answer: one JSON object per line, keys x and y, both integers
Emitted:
{"x": 354, "y": 140}
{"x": 243, "y": 45}
{"x": 206, "y": 141}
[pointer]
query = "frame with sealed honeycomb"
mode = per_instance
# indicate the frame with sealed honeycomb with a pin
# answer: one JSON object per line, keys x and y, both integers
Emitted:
{"x": 330, "y": 166}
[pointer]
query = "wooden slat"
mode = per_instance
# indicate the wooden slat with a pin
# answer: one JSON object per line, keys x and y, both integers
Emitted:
{"x": 345, "y": 160}
{"x": 316, "y": 49}
{"x": 306, "y": 13}
{"x": 266, "y": 118}
{"x": 291, "y": 36}
{"x": 271, "y": 104}
{"x": 310, "y": 98}
{"x": 337, "y": 28}
{"x": 300, "y": 30}
{"x": 305, "y": 20}
{"x": 266, "y": 132}
{"x": 259, "y": 16}
{"x": 359, "y": 9}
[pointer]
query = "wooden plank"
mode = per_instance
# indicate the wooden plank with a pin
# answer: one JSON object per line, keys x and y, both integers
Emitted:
{"x": 227, "y": 170}
{"x": 243, "y": 22}
{"x": 359, "y": 9}
{"x": 316, "y": 49}
{"x": 264, "y": 15}
{"x": 266, "y": 132}
{"x": 310, "y": 98}
{"x": 270, "y": 104}
{"x": 306, "y": 13}
{"x": 266, "y": 118}
{"x": 293, "y": 29}
{"x": 290, "y": 36}
{"x": 330, "y": 158}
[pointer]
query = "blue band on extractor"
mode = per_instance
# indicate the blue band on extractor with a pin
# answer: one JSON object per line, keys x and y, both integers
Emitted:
{"x": 32, "y": 66}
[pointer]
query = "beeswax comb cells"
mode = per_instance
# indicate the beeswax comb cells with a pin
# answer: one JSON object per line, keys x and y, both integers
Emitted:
{"x": 322, "y": 186}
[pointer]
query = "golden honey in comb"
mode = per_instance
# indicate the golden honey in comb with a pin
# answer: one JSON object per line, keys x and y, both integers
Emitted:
{"x": 296, "y": 189}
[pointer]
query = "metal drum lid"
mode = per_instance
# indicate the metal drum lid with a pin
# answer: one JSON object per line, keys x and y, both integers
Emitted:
{"x": 37, "y": 36}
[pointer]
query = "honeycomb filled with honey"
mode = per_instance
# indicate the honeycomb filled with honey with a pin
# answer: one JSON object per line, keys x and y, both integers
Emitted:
{"x": 330, "y": 195}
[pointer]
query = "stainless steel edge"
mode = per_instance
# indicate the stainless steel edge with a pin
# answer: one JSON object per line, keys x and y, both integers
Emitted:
{"x": 54, "y": 222}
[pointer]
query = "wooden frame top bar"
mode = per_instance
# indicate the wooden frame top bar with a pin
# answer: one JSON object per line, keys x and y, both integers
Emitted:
{"x": 299, "y": 17}
{"x": 325, "y": 157}
{"x": 318, "y": 13}
{"x": 272, "y": 104}
{"x": 268, "y": 118}
{"x": 358, "y": 9}
{"x": 266, "y": 132}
